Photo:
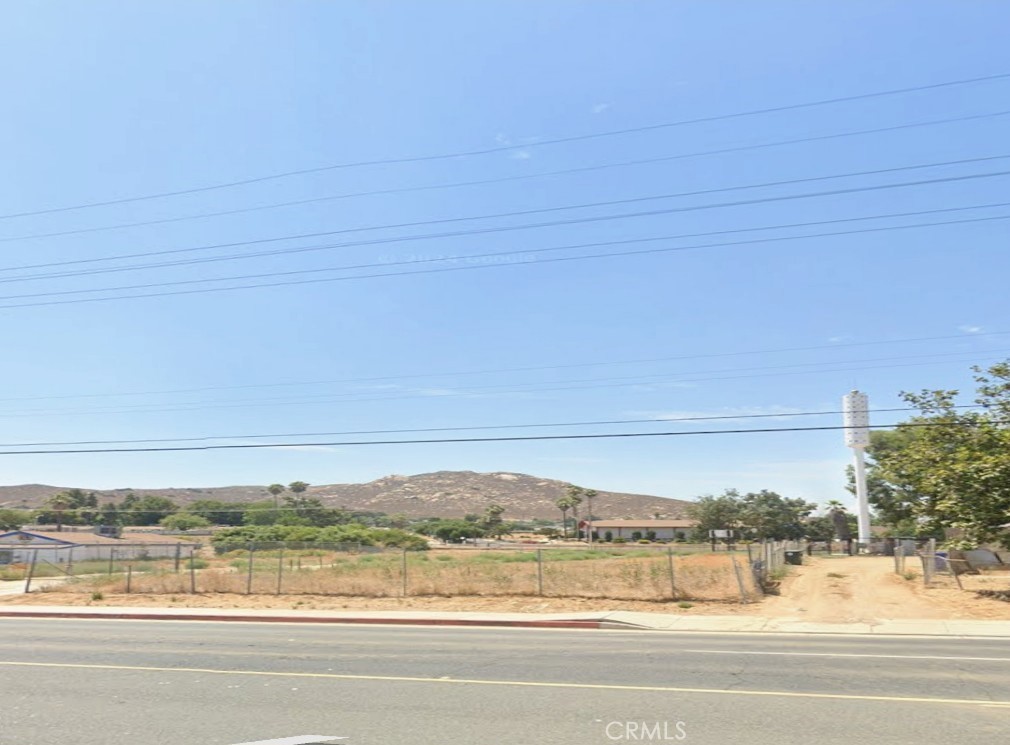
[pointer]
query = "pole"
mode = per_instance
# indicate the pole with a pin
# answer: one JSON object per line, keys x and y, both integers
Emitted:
{"x": 129, "y": 577}
{"x": 540, "y": 571}
{"x": 192, "y": 571}
{"x": 112, "y": 554}
{"x": 862, "y": 499}
{"x": 404, "y": 572}
{"x": 673, "y": 584}
{"x": 249, "y": 572}
{"x": 178, "y": 556}
{"x": 280, "y": 569}
{"x": 31, "y": 571}
{"x": 739, "y": 579}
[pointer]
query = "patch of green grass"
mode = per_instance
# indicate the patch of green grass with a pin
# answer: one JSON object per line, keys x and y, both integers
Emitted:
{"x": 685, "y": 605}
{"x": 836, "y": 575}
{"x": 910, "y": 575}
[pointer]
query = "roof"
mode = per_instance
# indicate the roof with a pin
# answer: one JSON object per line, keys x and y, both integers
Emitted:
{"x": 81, "y": 538}
{"x": 647, "y": 524}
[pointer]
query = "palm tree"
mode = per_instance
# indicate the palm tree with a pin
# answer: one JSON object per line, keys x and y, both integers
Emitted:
{"x": 298, "y": 486}
{"x": 59, "y": 503}
{"x": 276, "y": 490}
{"x": 575, "y": 497}
{"x": 590, "y": 495}
{"x": 564, "y": 504}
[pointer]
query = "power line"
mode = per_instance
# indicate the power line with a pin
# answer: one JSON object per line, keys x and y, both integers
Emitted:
{"x": 459, "y": 440}
{"x": 516, "y": 213}
{"x": 507, "y": 148}
{"x": 536, "y": 368}
{"x": 503, "y": 179}
{"x": 473, "y": 391}
{"x": 657, "y": 420}
{"x": 611, "y": 254}
{"x": 526, "y": 252}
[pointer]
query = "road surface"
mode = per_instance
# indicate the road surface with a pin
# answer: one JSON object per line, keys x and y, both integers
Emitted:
{"x": 161, "y": 683}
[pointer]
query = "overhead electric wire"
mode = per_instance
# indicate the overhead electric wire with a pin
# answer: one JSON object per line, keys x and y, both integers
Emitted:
{"x": 517, "y": 213}
{"x": 639, "y": 252}
{"x": 656, "y": 420}
{"x": 511, "y": 147}
{"x": 459, "y": 440}
{"x": 535, "y": 368}
{"x": 499, "y": 180}
{"x": 462, "y": 392}
{"x": 528, "y": 251}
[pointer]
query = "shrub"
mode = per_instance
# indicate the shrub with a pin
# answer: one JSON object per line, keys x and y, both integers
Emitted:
{"x": 636, "y": 536}
{"x": 620, "y": 540}
{"x": 608, "y": 536}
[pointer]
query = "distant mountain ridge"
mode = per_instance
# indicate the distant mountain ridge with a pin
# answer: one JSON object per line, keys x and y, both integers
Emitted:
{"x": 438, "y": 494}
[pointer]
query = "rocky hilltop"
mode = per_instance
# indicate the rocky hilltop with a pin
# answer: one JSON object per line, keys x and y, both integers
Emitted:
{"x": 439, "y": 494}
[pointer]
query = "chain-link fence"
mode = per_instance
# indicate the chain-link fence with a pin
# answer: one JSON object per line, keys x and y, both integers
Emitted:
{"x": 654, "y": 573}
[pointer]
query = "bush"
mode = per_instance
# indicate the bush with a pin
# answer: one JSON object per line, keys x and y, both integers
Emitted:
{"x": 232, "y": 539}
{"x": 636, "y": 536}
{"x": 620, "y": 540}
{"x": 644, "y": 540}
{"x": 608, "y": 536}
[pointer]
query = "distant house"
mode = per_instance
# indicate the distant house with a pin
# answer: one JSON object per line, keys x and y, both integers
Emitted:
{"x": 655, "y": 530}
{"x": 18, "y": 546}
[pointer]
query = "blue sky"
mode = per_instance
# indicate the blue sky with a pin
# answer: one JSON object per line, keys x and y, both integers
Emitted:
{"x": 113, "y": 100}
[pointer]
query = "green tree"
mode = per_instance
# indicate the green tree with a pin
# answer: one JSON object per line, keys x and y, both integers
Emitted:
{"x": 949, "y": 468}
{"x": 720, "y": 512}
{"x": 149, "y": 510}
{"x": 767, "y": 515}
{"x": 575, "y": 495}
{"x": 564, "y": 504}
{"x": 14, "y": 519}
{"x": 184, "y": 521}
{"x": 454, "y": 531}
{"x": 275, "y": 491}
{"x": 58, "y": 505}
{"x": 218, "y": 512}
{"x": 819, "y": 529}
{"x": 298, "y": 487}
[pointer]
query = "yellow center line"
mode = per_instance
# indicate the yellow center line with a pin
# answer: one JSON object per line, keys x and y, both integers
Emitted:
{"x": 517, "y": 683}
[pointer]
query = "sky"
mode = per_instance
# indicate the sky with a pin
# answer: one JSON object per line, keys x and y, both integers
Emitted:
{"x": 693, "y": 314}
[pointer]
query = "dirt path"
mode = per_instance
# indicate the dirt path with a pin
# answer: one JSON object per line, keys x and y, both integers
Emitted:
{"x": 866, "y": 589}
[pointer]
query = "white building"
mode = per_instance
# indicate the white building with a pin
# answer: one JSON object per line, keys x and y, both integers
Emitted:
{"x": 19, "y": 546}
{"x": 633, "y": 530}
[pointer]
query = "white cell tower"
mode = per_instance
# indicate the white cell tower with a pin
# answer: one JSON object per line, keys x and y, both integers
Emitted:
{"x": 856, "y": 408}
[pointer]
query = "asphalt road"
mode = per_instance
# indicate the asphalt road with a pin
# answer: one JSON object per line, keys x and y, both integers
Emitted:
{"x": 160, "y": 683}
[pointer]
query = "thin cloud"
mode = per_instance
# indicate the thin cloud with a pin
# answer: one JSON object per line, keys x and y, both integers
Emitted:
{"x": 601, "y": 107}
{"x": 521, "y": 155}
{"x": 726, "y": 416}
{"x": 970, "y": 329}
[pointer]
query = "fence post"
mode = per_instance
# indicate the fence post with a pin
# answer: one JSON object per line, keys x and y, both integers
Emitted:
{"x": 673, "y": 583}
{"x": 249, "y": 572}
{"x": 70, "y": 562}
{"x": 280, "y": 569}
{"x": 929, "y": 564}
{"x": 129, "y": 577}
{"x": 178, "y": 556}
{"x": 404, "y": 572}
{"x": 540, "y": 571}
{"x": 31, "y": 571}
{"x": 112, "y": 555}
{"x": 739, "y": 579}
{"x": 192, "y": 570}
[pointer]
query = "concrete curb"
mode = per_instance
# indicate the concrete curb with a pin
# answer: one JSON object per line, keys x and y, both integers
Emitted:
{"x": 378, "y": 621}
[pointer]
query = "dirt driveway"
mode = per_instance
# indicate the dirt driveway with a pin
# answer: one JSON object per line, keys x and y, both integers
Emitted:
{"x": 866, "y": 589}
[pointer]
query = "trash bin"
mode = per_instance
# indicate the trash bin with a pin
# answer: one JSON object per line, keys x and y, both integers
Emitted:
{"x": 794, "y": 557}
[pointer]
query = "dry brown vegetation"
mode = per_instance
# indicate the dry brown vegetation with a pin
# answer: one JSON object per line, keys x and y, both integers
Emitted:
{"x": 630, "y": 575}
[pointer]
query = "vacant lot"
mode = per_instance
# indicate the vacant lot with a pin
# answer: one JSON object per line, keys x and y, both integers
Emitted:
{"x": 626, "y": 575}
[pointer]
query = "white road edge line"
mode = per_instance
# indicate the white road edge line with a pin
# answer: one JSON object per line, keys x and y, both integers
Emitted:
{"x": 848, "y": 654}
{"x": 297, "y": 740}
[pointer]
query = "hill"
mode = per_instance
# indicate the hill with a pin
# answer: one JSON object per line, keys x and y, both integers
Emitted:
{"x": 439, "y": 494}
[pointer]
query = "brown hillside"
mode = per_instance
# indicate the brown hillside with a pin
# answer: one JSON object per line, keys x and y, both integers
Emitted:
{"x": 439, "y": 494}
